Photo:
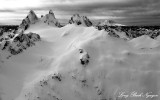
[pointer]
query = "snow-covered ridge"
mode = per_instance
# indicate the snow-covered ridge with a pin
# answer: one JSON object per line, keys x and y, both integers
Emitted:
{"x": 19, "y": 43}
{"x": 93, "y": 65}
{"x": 75, "y": 62}
{"x": 80, "y": 20}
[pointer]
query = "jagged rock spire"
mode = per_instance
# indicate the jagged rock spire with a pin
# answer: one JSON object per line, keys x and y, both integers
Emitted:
{"x": 50, "y": 19}
{"x": 31, "y": 12}
{"x": 51, "y": 12}
{"x": 30, "y": 19}
{"x": 80, "y": 20}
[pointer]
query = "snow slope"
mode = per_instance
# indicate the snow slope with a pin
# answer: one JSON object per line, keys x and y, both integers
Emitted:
{"x": 144, "y": 41}
{"x": 81, "y": 63}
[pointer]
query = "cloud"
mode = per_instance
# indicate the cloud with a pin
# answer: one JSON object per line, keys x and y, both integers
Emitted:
{"x": 131, "y": 12}
{"x": 20, "y": 4}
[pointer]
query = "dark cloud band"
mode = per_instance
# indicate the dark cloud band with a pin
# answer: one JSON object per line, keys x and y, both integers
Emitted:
{"x": 131, "y": 12}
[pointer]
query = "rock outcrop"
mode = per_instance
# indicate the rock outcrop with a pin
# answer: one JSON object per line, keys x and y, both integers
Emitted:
{"x": 19, "y": 43}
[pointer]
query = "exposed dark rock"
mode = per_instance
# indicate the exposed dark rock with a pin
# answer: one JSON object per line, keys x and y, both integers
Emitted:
{"x": 6, "y": 44}
{"x": 81, "y": 51}
{"x": 57, "y": 77}
{"x": 133, "y": 31}
{"x": 84, "y": 58}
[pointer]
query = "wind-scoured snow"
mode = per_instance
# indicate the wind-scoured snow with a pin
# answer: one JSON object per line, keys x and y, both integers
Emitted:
{"x": 83, "y": 63}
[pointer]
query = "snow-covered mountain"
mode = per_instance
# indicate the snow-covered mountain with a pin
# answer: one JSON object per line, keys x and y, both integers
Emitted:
{"x": 109, "y": 23}
{"x": 76, "y": 62}
{"x": 30, "y": 19}
{"x": 50, "y": 19}
{"x": 80, "y": 20}
{"x": 92, "y": 65}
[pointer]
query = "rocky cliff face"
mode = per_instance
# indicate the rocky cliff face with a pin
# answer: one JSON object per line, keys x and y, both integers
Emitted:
{"x": 80, "y": 20}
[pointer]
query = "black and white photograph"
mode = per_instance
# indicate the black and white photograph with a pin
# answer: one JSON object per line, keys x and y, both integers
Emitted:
{"x": 79, "y": 49}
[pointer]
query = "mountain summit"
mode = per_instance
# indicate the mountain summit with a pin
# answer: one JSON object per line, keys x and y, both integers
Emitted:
{"x": 50, "y": 19}
{"x": 80, "y": 20}
{"x": 30, "y": 19}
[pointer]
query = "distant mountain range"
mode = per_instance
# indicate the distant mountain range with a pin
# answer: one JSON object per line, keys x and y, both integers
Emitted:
{"x": 51, "y": 20}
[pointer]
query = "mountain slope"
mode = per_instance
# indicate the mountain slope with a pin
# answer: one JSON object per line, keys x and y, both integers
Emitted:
{"x": 92, "y": 65}
{"x": 76, "y": 62}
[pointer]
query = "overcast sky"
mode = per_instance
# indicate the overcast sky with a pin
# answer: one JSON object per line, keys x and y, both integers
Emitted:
{"x": 129, "y": 12}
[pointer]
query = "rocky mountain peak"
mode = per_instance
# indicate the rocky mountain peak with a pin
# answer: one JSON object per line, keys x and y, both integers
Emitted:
{"x": 80, "y": 20}
{"x": 30, "y": 19}
{"x": 51, "y": 12}
{"x": 31, "y": 12}
{"x": 50, "y": 19}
